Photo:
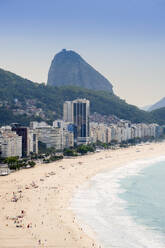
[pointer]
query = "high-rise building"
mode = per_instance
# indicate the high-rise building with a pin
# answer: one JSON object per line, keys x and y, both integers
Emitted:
{"x": 22, "y": 131}
{"x": 77, "y": 112}
{"x": 68, "y": 111}
{"x": 33, "y": 141}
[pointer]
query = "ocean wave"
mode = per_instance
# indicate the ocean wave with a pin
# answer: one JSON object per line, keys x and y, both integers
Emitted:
{"x": 98, "y": 205}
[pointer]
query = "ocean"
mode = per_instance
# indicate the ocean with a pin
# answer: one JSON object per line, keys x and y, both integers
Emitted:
{"x": 125, "y": 208}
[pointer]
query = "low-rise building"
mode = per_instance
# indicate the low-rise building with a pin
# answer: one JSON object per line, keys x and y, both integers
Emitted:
{"x": 59, "y": 136}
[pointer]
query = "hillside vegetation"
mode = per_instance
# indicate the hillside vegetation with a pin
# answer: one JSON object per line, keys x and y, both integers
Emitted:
{"x": 159, "y": 115}
{"x": 22, "y": 101}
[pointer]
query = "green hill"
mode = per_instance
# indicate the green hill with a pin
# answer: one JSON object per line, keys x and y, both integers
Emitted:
{"x": 159, "y": 115}
{"x": 22, "y": 101}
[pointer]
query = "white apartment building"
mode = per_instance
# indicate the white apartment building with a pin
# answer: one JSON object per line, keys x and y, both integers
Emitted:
{"x": 36, "y": 124}
{"x": 52, "y": 137}
{"x": 58, "y": 136}
{"x": 10, "y": 144}
{"x": 68, "y": 139}
{"x": 67, "y": 133}
{"x": 100, "y": 132}
{"x": 68, "y": 111}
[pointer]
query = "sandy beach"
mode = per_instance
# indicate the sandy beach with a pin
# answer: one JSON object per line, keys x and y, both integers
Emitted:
{"x": 35, "y": 203}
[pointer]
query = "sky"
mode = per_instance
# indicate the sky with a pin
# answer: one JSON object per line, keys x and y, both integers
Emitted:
{"x": 122, "y": 39}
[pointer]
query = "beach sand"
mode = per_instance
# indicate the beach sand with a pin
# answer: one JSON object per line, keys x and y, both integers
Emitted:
{"x": 35, "y": 203}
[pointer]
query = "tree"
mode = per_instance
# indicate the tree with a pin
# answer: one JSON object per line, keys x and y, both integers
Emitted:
{"x": 12, "y": 162}
{"x": 83, "y": 149}
{"x": 70, "y": 152}
{"x": 31, "y": 163}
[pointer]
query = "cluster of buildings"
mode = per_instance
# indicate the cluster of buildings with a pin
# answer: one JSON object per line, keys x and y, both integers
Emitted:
{"x": 75, "y": 129}
{"x": 123, "y": 131}
{"x": 29, "y": 108}
{"x": 59, "y": 135}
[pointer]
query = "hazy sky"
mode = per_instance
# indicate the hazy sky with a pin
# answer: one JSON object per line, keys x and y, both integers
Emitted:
{"x": 122, "y": 39}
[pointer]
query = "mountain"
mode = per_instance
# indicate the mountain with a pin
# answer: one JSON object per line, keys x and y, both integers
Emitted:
{"x": 159, "y": 114}
{"x": 157, "y": 105}
{"x": 145, "y": 108}
{"x": 69, "y": 68}
{"x": 23, "y": 101}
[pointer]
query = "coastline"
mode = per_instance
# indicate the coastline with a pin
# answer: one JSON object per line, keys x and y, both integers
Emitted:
{"x": 44, "y": 194}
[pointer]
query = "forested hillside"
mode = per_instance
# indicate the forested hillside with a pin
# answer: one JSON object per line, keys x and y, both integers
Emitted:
{"x": 22, "y": 101}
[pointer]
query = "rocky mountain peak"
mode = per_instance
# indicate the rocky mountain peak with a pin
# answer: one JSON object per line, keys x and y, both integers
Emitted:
{"x": 69, "y": 68}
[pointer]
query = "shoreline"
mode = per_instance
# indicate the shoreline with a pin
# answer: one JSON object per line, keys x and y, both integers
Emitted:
{"x": 104, "y": 190}
{"x": 44, "y": 194}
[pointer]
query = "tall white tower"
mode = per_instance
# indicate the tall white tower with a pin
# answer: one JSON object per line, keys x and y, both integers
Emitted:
{"x": 68, "y": 111}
